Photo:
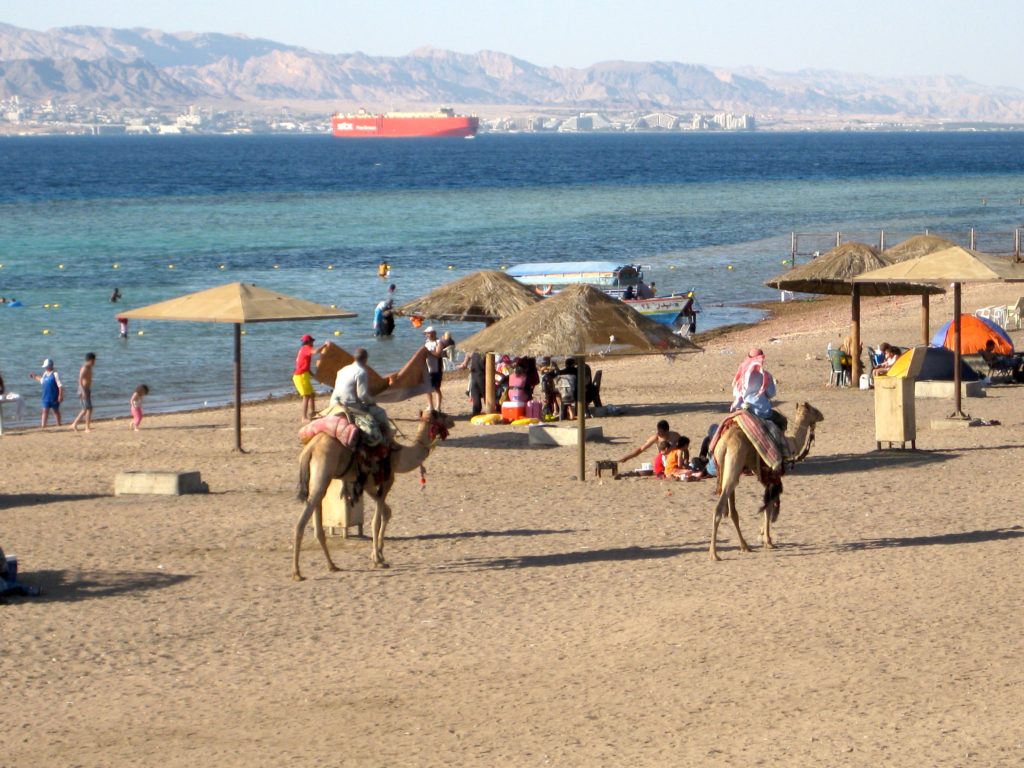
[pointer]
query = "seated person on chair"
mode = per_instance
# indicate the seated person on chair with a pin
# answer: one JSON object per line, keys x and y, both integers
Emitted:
{"x": 352, "y": 390}
{"x": 999, "y": 363}
{"x": 662, "y": 433}
{"x": 889, "y": 355}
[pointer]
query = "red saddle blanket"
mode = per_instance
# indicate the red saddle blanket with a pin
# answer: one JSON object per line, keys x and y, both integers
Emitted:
{"x": 770, "y": 447}
{"x": 336, "y": 426}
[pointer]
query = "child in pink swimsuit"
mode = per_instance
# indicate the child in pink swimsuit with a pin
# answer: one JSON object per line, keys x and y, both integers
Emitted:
{"x": 136, "y": 405}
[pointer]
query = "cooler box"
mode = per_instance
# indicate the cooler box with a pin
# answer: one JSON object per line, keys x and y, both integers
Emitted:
{"x": 533, "y": 409}
{"x": 511, "y": 411}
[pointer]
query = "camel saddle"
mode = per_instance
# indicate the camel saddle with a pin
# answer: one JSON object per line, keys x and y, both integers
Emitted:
{"x": 772, "y": 446}
{"x": 353, "y": 427}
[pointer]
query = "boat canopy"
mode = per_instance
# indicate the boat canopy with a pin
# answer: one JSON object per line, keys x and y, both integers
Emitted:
{"x": 607, "y": 273}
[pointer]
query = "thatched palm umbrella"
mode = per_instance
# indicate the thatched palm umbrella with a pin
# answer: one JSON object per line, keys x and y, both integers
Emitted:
{"x": 579, "y": 321}
{"x": 481, "y": 297}
{"x": 914, "y": 248}
{"x": 236, "y": 303}
{"x": 832, "y": 273}
{"x": 953, "y": 265}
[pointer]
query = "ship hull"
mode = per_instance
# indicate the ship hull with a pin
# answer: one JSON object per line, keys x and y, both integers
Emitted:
{"x": 386, "y": 126}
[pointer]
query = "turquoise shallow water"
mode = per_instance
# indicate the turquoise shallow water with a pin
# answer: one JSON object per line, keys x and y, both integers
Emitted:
{"x": 280, "y": 211}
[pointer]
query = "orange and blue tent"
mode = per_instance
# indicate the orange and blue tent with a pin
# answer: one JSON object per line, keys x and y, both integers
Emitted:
{"x": 974, "y": 334}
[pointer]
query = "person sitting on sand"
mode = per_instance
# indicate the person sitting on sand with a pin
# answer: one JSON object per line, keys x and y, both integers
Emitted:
{"x": 661, "y": 433}
{"x": 675, "y": 458}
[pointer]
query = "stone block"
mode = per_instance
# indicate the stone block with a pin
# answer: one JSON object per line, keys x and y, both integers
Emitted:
{"x": 159, "y": 483}
{"x": 555, "y": 434}
{"x": 944, "y": 389}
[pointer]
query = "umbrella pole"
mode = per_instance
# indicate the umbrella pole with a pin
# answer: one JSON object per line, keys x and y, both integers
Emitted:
{"x": 581, "y": 413}
{"x": 855, "y": 370}
{"x": 238, "y": 386}
{"x": 957, "y": 413}
{"x": 489, "y": 392}
{"x": 924, "y": 318}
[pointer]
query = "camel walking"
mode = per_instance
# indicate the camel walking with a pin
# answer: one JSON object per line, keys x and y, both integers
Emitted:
{"x": 735, "y": 453}
{"x": 324, "y": 458}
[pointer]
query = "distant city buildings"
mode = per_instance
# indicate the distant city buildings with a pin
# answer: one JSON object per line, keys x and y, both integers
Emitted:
{"x": 18, "y": 116}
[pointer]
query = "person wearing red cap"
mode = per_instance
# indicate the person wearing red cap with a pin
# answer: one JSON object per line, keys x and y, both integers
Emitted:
{"x": 303, "y": 379}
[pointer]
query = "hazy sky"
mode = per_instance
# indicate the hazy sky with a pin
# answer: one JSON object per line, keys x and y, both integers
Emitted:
{"x": 982, "y": 40}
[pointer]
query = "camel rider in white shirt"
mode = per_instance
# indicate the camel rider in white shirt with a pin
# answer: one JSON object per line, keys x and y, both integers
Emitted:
{"x": 352, "y": 389}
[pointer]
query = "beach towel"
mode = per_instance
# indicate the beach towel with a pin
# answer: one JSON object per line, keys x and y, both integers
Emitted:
{"x": 764, "y": 435}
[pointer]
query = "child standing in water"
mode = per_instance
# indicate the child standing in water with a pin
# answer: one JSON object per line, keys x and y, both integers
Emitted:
{"x": 136, "y": 404}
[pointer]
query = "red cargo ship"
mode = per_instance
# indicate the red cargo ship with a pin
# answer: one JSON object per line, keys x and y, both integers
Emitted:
{"x": 444, "y": 123}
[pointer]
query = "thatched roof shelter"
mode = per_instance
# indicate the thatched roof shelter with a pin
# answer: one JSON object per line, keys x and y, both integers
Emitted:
{"x": 832, "y": 273}
{"x": 580, "y": 320}
{"x": 916, "y": 247}
{"x": 480, "y": 297}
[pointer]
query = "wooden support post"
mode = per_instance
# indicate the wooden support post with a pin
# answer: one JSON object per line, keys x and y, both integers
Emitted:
{"x": 924, "y": 319}
{"x": 238, "y": 386}
{"x": 581, "y": 413}
{"x": 490, "y": 394}
{"x": 855, "y": 369}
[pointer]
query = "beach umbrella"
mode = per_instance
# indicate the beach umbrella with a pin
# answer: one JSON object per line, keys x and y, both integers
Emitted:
{"x": 832, "y": 273}
{"x": 235, "y": 303}
{"x": 954, "y": 265}
{"x": 914, "y": 248}
{"x": 579, "y": 321}
{"x": 975, "y": 333}
{"x": 481, "y": 297}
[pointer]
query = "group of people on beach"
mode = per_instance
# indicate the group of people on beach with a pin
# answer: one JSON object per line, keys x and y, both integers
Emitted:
{"x": 53, "y": 395}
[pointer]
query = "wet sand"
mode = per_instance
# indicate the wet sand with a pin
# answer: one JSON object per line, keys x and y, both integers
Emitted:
{"x": 528, "y": 618}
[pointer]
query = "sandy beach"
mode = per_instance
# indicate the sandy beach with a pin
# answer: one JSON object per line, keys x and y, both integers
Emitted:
{"x": 528, "y": 618}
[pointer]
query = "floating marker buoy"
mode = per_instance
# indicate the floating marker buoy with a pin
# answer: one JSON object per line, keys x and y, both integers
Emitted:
{"x": 334, "y": 306}
{"x": 504, "y": 266}
{"x": 729, "y": 267}
{"x": 46, "y": 331}
{"x": 46, "y": 306}
{"x": 56, "y": 306}
{"x": 785, "y": 261}
{"x": 222, "y": 266}
{"x": 116, "y": 266}
{"x": 330, "y": 266}
{"x": 243, "y": 333}
{"x": 60, "y": 266}
{"x": 451, "y": 267}
{"x": 1, "y": 266}
{"x": 142, "y": 333}
{"x": 337, "y": 333}
{"x": 277, "y": 266}
{"x": 170, "y": 266}
{"x": 671, "y": 266}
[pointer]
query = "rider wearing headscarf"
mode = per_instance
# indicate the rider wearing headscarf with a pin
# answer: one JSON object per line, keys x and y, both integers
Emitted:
{"x": 752, "y": 386}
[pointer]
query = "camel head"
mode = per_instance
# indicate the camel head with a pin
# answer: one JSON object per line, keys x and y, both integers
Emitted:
{"x": 808, "y": 414}
{"x": 439, "y": 424}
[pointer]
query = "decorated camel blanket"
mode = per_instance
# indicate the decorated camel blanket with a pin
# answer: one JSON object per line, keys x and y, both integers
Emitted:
{"x": 765, "y": 436}
{"x": 334, "y": 426}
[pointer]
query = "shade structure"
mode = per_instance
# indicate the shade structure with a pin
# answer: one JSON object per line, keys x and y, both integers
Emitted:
{"x": 975, "y": 333}
{"x": 577, "y": 322}
{"x": 482, "y": 297}
{"x": 236, "y": 303}
{"x": 956, "y": 265}
{"x": 832, "y": 273}
{"x": 915, "y": 247}
{"x": 932, "y": 363}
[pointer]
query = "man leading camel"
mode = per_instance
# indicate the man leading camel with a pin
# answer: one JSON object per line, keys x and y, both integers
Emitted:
{"x": 352, "y": 389}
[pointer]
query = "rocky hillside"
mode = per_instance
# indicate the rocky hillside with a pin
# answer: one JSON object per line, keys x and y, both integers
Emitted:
{"x": 142, "y": 67}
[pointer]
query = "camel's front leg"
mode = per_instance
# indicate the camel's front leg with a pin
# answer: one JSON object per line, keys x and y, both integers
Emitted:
{"x": 720, "y": 508}
{"x": 736, "y": 522}
{"x": 379, "y": 524}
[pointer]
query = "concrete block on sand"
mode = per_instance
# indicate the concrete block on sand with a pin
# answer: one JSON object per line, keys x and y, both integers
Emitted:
{"x": 555, "y": 434}
{"x": 944, "y": 389}
{"x": 159, "y": 483}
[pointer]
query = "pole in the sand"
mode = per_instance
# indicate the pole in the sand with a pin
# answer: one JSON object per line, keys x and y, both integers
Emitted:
{"x": 581, "y": 413}
{"x": 238, "y": 387}
{"x": 957, "y": 412}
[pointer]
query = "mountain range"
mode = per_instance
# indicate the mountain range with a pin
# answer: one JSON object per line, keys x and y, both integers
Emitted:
{"x": 103, "y": 67}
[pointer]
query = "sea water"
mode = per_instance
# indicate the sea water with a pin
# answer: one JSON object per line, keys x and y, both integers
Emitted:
{"x": 313, "y": 216}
